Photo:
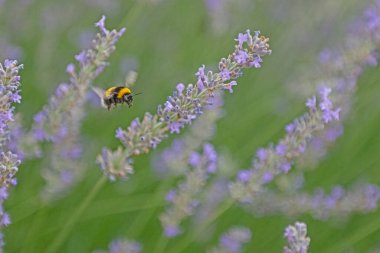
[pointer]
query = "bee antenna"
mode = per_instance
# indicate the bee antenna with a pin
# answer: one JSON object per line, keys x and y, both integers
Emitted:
{"x": 135, "y": 94}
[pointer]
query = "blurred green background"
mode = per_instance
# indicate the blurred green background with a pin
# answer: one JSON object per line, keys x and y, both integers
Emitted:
{"x": 166, "y": 41}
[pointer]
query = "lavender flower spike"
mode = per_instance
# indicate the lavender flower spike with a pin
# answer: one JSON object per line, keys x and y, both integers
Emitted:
{"x": 278, "y": 159}
{"x": 339, "y": 202}
{"x": 60, "y": 120}
{"x": 9, "y": 162}
{"x": 184, "y": 199}
{"x": 187, "y": 103}
{"x": 297, "y": 238}
{"x": 232, "y": 241}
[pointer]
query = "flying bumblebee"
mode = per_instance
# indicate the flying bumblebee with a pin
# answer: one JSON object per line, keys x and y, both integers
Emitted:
{"x": 115, "y": 95}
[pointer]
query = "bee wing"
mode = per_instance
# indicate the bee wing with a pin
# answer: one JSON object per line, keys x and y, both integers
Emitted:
{"x": 100, "y": 92}
{"x": 131, "y": 78}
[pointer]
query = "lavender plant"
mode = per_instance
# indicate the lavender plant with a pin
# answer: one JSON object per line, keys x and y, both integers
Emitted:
{"x": 9, "y": 162}
{"x": 340, "y": 69}
{"x": 59, "y": 122}
{"x": 278, "y": 159}
{"x": 184, "y": 199}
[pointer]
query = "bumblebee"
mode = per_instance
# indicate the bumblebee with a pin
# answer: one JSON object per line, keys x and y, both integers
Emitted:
{"x": 115, "y": 95}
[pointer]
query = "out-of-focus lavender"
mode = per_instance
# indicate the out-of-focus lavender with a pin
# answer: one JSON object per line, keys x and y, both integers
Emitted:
{"x": 60, "y": 120}
{"x": 278, "y": 159}
{"x": 232, "y": 241}
{"x": 221, "y": 14}
{"x": 9, "y": 162}
{"x": 184, "y": 199}
{"x": 122, "y": 246}
{"x": 339, "y": 69}
{"x": 339, "y": 203}
{"x": 185, "y": 105}
{"x": 213, "y": 197}
{"x": 9, "y": 51}
{"x": 298, "y": 241}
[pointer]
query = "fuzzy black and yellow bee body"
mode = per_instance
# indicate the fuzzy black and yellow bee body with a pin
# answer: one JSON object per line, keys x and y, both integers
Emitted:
{"x": 117, "y": 95}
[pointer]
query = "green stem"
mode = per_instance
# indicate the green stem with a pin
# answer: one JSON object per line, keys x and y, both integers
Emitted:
{"x": 55, "y": 245}
{"x": 143, "y": 218}
{"x": 33, "y": 229}
{"x": 133, "y": 13}
{"x": 161, "y": 245}
{"x": 192, "y": 236}
{"x": 357, "y": 236}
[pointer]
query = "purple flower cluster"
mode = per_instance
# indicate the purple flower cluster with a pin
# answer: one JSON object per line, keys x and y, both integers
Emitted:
{"x": 9, "y": 91}
{"x": 372, "y": 20}
{"x": 338, "y": 203}
{"x": 184, "y": 199}
{"x": 187, "y": 103}
{"x": 297, "y": 238}
{"x": 232, "y": 241}
{"x": 60, "y": 120}
{"x": 122, "y": 246}
{"x": 278, "y": 159}
{"x": 9, "y": 163}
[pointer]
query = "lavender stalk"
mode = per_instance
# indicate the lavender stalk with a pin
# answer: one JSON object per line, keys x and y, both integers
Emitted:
{"x": 59, "y": 122}
{"x": 9, "y": 162}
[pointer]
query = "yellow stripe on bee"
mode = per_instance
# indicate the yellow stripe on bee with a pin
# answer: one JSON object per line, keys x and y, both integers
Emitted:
{"x": 109, "y": 91}
{"x": 123, "y": 91}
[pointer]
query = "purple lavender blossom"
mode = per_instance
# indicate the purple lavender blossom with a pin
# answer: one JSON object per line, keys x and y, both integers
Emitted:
{"x": 230, "y": 85}
{"x": 225, "y": 74}
{"x": 372, "y": 20}
{"x": 297, "y": 238}
{"x": 242, "y": 38}
{"x": 244, "y": 175}
{"x": 172, "y": 231}
{"x": 180, "y": 88}
{"x": 261, "y": 154}
{"x": 267, "y": 177}
{"x": 312, "y": 103}
{"x": 120, "y": 133}
{"x": 170, "y": 196}
{"x": 195, "y": 159}
{"x": 241, "y": 57}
